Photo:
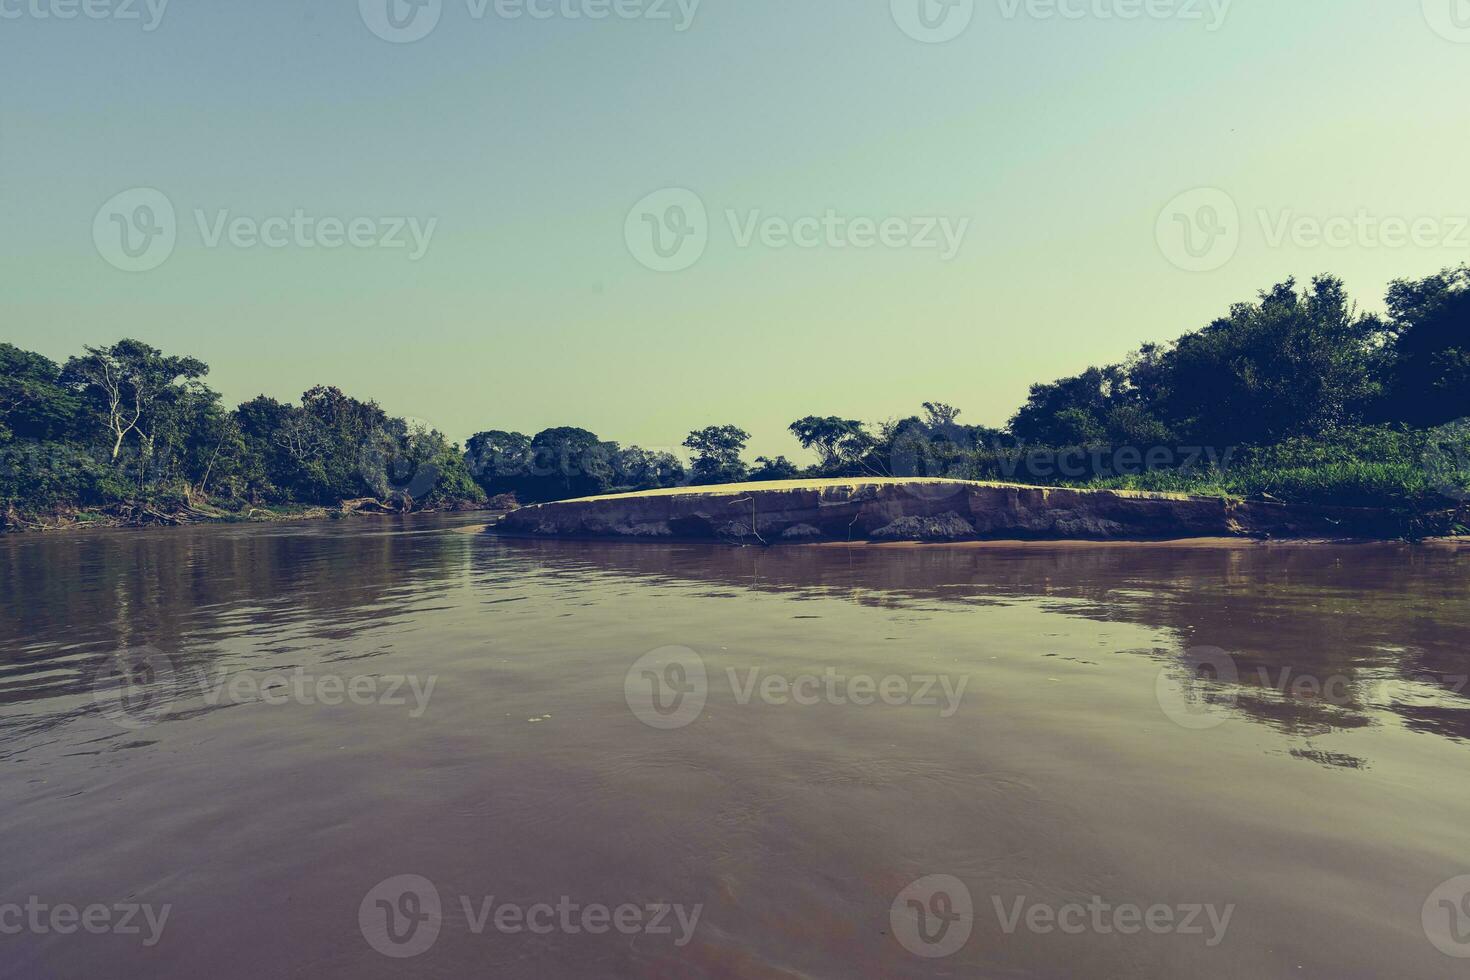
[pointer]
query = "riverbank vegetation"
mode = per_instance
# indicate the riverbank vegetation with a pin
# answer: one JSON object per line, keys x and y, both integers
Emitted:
{"x": 1296, "y": 395}
{"x": 128, "y": 434}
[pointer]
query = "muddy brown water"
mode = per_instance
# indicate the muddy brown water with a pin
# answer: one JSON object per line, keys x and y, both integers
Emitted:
{"x": 402, "y": 748}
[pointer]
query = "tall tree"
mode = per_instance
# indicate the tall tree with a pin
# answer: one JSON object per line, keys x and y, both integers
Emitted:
{"x": 33, "y": 402}
{"x": 572, "y": 462}
{"x": 717, "y": 451}
{"x": 841, "y": 444}
{"x": 1429, "y": 381}
{"x": 1295, "y": 363}
{"x": 128, "y": 384}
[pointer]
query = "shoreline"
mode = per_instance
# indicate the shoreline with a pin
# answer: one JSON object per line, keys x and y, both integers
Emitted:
{"x": 998, "y": 544}
{"x": 894, "y": 510}
{"x": 148, "y": 519}
{"x": 930, "y": 526}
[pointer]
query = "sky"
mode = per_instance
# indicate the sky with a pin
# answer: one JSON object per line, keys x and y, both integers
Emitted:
{"x": 648, "y": 216}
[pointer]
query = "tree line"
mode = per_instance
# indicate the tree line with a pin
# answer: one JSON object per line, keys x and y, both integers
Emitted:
{"x": 1296, "y": 394}
{"x": 130, "y": 428}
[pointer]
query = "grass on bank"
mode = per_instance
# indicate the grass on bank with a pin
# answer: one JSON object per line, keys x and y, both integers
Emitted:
{"x": 1420, "y": 475}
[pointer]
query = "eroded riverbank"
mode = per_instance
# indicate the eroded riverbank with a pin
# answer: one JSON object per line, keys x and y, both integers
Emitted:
{"x": 886, "y": 509}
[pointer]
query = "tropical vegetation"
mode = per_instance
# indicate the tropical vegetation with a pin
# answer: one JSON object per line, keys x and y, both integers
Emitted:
{"x": 1296, "y": 395}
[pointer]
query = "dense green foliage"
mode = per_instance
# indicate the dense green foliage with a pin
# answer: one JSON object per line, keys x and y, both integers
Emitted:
{"x": 1429, "y": 380}
{"x": 564, "y": 463}
{"x": 1295, "y": 363}
{"x": 129, "y": 426}
{"x": 1295, "y": 396}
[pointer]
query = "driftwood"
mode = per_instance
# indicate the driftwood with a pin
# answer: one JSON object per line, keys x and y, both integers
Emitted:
{"x": 199, "y": 512}
{"x": 113, "y": 515}
{"x": 402, "y": 503}
{"x": 397, "y": 504}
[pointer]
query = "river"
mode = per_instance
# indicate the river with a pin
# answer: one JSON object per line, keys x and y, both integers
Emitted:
{"x": 389, "y": 747}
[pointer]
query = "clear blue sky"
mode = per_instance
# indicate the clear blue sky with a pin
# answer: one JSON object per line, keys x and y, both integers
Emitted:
{"x": 1061, "y": 140}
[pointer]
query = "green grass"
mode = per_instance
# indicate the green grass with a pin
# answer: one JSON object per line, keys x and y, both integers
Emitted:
{"x": 1357, "y": 484}
{"x": 1370, "y": 466}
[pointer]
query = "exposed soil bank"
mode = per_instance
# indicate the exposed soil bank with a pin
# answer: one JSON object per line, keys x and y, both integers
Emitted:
{"x": 934, "y": 510}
